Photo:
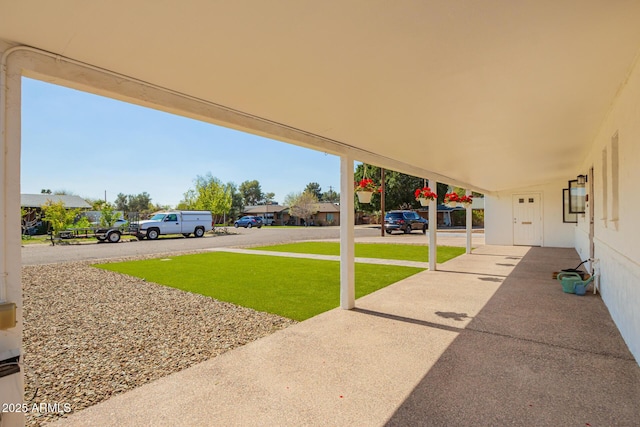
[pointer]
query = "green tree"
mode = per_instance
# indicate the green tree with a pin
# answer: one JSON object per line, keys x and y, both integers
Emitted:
{"x": 212, "y": 195}
{"x": 189, "y": 200}
{"x": 303, "y": 205}
{"x": 330, "y": 196}
{"x": 251, "y": 192}
{"x": 96, "y": 204}
{"x": 122, "y": 203}
{"x": 314, "y": 188}
{"x": 107, "y": 215}
{"x": 59, "y": 217}
{"x": 154, "y": 207}
{"x": 268, "y": 198}
{"x": 140, "y": 202}
{"x": 237, "y": 202}
{"x": 134, "y": 203}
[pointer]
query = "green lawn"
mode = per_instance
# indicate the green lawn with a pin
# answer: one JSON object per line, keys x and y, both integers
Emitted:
{"x": 293, "y": 288}
{"x": 370, "y": 250}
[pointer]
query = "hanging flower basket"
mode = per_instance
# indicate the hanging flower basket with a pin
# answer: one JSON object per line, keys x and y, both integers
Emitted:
{"x": 365, "y": 189}
{"x": 466, "y": 200}
{"x": 451, "y": 199}
{"x": 364, "y": 196}
{"x": 423, "y": 195}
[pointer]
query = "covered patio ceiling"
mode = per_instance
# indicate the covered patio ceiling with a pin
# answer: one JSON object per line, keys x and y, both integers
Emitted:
{"x": 495, "y": 94}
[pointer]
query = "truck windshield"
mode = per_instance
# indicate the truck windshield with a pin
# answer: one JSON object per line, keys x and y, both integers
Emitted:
{"x": 157, "y": 217}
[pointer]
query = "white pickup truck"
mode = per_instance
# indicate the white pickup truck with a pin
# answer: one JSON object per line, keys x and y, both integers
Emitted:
{"x": 173, "y": 222}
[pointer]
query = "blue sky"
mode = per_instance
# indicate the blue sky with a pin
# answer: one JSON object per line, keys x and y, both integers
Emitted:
{"x": 87, "y": 144}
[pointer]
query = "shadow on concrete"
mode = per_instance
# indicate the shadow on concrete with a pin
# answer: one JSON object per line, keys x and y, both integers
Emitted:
{"x": 472, "y": 273}
{"x": 532, "y": 356}
{"x": 406, "y": 319}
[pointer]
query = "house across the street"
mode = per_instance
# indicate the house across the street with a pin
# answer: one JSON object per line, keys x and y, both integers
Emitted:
{"x": 32, "y": 206}
{"x": 274, "y": 214}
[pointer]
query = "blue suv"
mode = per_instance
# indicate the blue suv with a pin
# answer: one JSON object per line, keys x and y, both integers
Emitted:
{"x": 405, "y": 221}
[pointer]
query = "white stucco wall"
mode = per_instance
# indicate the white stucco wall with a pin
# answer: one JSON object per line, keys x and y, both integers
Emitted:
{"x": 498, "y": 220}
{"x": 617, "y": 242}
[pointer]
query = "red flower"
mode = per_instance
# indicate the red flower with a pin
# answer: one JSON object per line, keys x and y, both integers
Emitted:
{"x": 425, "y": 193}
{"x": 466, "y": 199}
{"x": 451, "y": 197}
{"x": 367, "y": 184}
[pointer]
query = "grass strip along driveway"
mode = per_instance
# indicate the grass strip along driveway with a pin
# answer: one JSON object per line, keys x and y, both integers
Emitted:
{"x": 418, "y": 253}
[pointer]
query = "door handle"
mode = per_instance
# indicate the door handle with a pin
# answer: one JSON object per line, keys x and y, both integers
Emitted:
{"x": 526, "y": 222}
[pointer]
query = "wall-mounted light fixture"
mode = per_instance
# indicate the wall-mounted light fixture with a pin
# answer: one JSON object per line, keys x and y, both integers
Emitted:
{"x": 582, "y": 179}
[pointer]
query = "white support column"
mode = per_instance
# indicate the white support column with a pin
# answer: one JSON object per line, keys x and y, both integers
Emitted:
{"x": 11, "y": 386}
{"x": 347, "y": 245}
{"x": 433, "y": 226}
{"x": 469, "y": 223}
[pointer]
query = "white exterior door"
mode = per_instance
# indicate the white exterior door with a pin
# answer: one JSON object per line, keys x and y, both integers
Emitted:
{"x": 527, "y": 219}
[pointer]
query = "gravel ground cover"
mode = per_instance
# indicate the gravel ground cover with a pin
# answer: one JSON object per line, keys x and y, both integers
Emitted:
{"x": 90, "y": 334}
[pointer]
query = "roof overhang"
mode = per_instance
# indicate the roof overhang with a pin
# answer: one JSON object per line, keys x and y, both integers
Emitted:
{"x": 493, "y": 94}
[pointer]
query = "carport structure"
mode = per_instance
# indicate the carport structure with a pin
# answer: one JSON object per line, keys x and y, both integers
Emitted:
{"x": 511, "y": 99}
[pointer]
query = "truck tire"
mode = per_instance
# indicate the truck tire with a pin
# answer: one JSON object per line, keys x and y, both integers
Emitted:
{"x": 114, "y": 237}
{"x": 198, "y": 232}
{"x": 153, "y": 233}
{"x": 139, "y": 236}
{"x": 185, "y": 234}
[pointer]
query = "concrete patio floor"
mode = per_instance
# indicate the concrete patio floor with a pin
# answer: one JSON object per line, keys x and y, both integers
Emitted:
{"x": 488, "y": 339}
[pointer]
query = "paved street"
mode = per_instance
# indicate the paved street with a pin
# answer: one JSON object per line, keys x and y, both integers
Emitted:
{"x": 240, "y": 237}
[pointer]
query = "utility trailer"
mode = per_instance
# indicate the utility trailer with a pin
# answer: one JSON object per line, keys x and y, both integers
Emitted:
{"x": 118, "y": 229}
{"x": 112, "y": 234}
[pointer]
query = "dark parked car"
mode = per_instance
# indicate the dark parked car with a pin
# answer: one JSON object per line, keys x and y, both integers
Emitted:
{"x": 248, "y": 222}
{"x": 405, "y": 221}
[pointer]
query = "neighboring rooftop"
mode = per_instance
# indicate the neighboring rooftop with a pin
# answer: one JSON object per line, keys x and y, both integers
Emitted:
{"x": 261, "y": 209}
{"x": 39, "y": 200}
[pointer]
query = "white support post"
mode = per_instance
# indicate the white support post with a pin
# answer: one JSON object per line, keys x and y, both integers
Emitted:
{"x": 11, "y": 386}
{"x": 347, "y": 245}
{"x": 433, "y": 226}
{"x": 469, "y": 223}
